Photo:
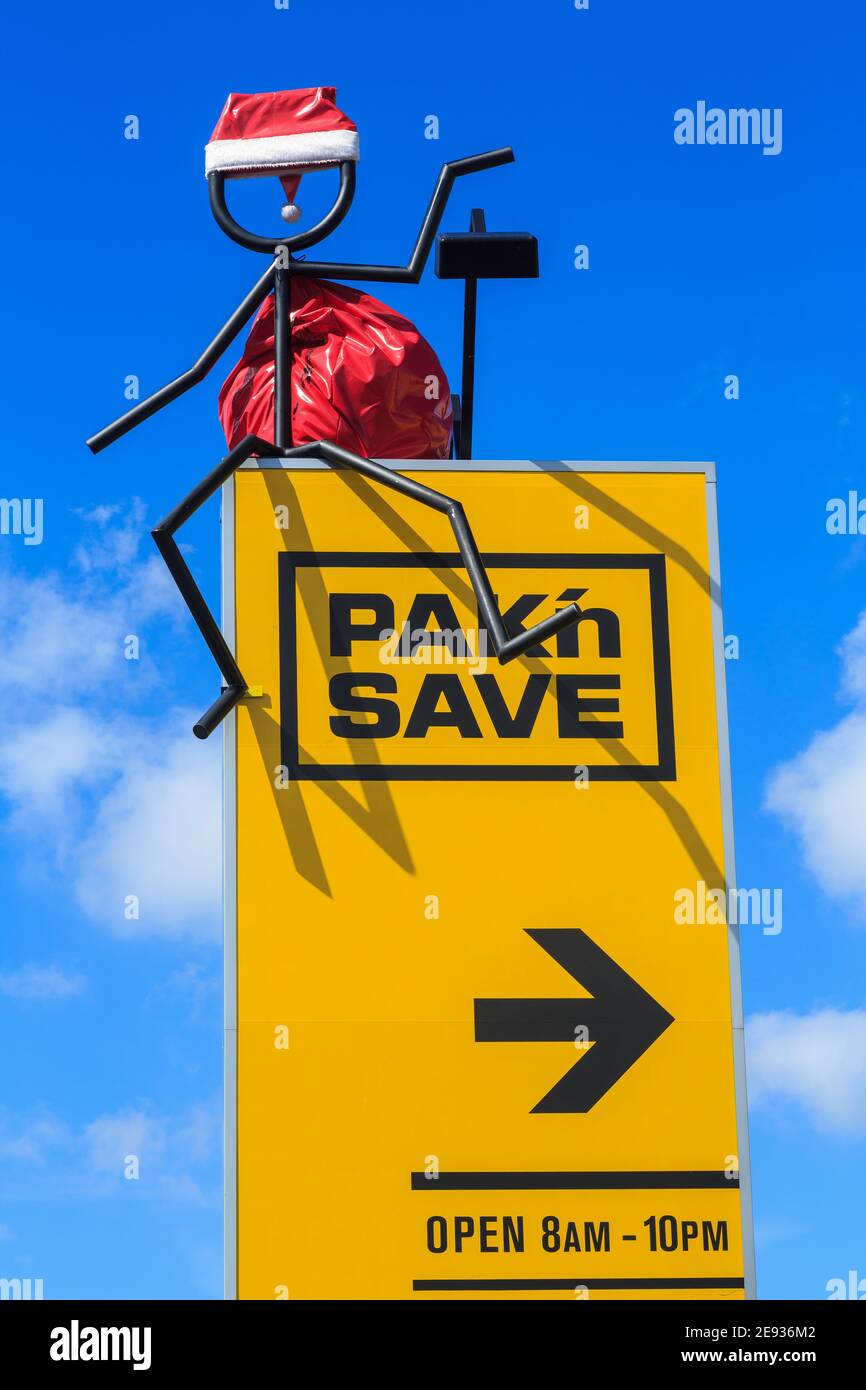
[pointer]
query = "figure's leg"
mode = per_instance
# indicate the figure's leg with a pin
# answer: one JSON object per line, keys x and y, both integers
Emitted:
{"x": 163, "y": 534}
{"x": 505, "y": 646}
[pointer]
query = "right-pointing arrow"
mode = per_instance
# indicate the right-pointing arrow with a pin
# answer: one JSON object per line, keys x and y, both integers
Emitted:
{"x": 620, "y": 1021}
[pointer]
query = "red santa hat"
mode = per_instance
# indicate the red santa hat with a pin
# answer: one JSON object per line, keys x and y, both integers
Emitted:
{"x": 282, "y": 133}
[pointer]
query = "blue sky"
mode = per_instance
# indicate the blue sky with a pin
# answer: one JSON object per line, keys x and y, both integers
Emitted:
{"x": 704, "y": 262}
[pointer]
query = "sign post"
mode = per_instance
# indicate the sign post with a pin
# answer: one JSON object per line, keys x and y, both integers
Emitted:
{"x": 472, "y": 1049}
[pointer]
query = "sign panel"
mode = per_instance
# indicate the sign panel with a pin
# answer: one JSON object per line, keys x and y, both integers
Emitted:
{"x": 474, "y": 1050}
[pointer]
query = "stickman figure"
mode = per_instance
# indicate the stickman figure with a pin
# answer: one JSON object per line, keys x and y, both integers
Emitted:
{"x": 288, "y": 134}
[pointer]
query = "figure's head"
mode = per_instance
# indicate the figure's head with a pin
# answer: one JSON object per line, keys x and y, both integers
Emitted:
{"x": 287, "y": 134}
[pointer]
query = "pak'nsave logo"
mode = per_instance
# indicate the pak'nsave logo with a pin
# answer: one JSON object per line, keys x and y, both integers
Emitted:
{"x": 386, "y": 675}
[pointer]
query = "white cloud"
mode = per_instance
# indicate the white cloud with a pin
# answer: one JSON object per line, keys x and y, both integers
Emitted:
{"x": 44, "y": 763}
{"x": 852, "y": 650}
{"x": 200, "y": 1134}
{"x": 33, "y": 1139}
{"x": 58, "y": 643}
{"x": 111, "y": 1139}
{"x": 178, "y": 1154}
{"x": 114, "y": 539}
{"x": 126, "y": 808}
{"x": 149, "y": 826}
{"x": 199, "y": 990}
{"x": 41, "y": 983}
{"x": 816, "y": 1060}
{"x": 123, "y": 805}
{"x": 156, "y": 835}
{"x": 820, "y": 794}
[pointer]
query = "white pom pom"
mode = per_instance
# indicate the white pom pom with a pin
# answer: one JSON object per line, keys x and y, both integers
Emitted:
{"x": 290, "y": 212}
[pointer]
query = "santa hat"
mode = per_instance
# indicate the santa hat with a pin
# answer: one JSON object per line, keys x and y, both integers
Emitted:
{"x": 283, "y": 133}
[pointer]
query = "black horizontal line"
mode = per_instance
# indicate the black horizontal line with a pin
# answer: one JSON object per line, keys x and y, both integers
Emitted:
{"x": 550, "y": 1182}
{"x": 477, "y": 772}
{"x": 513, "y": 1285}
{"x": 397, "y": 559}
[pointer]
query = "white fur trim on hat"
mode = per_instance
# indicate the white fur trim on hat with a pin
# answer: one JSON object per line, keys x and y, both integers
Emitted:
{"x": 281, "y": 152}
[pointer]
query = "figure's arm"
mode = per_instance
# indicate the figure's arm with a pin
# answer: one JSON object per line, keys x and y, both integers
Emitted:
{"x": 196, "y": 373}
{"x": 411, "y": 273}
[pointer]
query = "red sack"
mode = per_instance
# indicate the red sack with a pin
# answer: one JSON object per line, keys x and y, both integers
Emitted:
{"x": 362, "y": 377}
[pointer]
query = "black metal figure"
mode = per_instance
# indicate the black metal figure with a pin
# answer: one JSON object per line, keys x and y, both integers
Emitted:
{"x": 467, "y": 256}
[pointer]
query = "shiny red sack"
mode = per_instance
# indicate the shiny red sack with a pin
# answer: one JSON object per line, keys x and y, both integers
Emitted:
{"x": 362, "y": 377}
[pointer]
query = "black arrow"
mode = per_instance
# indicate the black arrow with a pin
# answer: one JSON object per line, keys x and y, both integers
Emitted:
{"x": 621, "y": 1021}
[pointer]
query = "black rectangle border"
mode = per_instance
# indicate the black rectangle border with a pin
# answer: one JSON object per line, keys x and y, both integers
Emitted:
{"x": 290, "y": 561}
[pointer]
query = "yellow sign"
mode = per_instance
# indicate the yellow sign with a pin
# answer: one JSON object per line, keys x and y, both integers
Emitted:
{"x": 473, "y": 1051}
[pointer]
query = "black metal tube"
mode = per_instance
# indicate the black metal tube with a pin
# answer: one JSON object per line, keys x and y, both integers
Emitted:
{"x": 474, "y": 163}
{"x": 283, "y": 358}
{"x": 253, "y": 242}
{"x": 505, "y": 647}
{"x": 467, "y": 393}
{"x": 196, "y": 373}
{"x": 408, "y": 274}
{"x": 411, "y": 273}
{"x": 250, "y": 444}
{"x": 278, "y": 277}
{"x": 488, "y": 613}
{"x": 163, "y": 536}
{"x": 194, "y": 601}
{"x": 222, "y": 705}
{"x": 477, "y": 224}
{"x": 371, "y": 468}
{"x": 456, "y": 425}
